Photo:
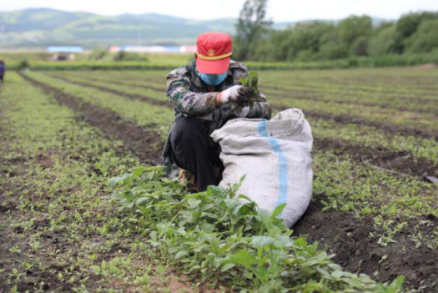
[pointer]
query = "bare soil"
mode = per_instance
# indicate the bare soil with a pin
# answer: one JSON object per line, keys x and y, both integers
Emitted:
{"x": 396, "y": 161}
{"x": 305, "y": 95}
{"x": 345, "y": 119}
{"x": 349, "y": 239}
{"x": 312, "y": 96}
{"x": 390, "y": 128}
{"x": 119, "y": 93}
{"x": 144, "y": 86}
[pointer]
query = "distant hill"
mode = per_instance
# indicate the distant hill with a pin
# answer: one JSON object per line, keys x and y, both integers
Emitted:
{"x": 42, "y": 27}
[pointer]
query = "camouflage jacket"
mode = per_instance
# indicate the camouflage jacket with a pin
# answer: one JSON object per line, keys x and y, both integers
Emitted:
{"x": 190, "y": 97}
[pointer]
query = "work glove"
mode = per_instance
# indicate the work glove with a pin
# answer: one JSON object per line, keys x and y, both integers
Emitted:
{"x": 243, "y": 112}
{"x": 238, "y": 94}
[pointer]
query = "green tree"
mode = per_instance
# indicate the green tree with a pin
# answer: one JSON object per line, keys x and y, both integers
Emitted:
{"x": 307, "y": 39}
{"x": 383, "y": 41}
{"x": 408, "y": 24}
{"x": 353, "y": 28}
{"x": 332, "y": 50}
{"x": 251, "y": 27}
{"x": 425, "y": 39}
{"x": 359, "y": 47}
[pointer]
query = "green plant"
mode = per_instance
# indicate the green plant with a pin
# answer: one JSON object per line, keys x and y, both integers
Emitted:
{"x": 252, "y": 81}
{"x": 223, "y": 236}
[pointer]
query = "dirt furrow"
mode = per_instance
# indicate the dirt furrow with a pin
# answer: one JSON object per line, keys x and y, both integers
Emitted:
{"x": 380, "y": 157}
{"x": 351, "y": 90}
{"x": 340, "y": 232}
{"x": 119, "y": 93}
{"x": 344, "y": 119}
{"x": 349, "y": 238}
{"x": 431, "y": 110}
{"x": 384, "y": 158}
{"x": 148, "y": 87}
{"x": 139, "y": 140}
{"x": 347, "y": 119}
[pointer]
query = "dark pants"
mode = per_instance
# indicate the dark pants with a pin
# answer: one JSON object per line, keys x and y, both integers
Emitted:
{"x": 192, "y": 151}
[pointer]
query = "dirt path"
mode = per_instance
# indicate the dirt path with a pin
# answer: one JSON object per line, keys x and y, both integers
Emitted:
{"x": 349, "y": 238}
{"x": 148, "y": 87}
{"x": 346, "y": 119}
{"x": 381, "y": 158}
{"x": 119, "y": 93}
{"x": 144, "y": 143}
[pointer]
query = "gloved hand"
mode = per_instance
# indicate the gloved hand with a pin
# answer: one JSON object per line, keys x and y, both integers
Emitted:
{"x": 238, "y": 94}
{"x": 243, "y": 112}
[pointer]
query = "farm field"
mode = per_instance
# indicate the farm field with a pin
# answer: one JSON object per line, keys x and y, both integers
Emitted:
{"x": 65, "y": 134}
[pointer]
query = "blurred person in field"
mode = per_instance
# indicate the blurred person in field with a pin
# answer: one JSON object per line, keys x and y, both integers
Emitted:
{"x": 2, "y": 70}
{"x": 206, "y": 93}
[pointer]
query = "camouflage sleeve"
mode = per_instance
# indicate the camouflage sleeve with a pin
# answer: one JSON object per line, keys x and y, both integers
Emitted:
{"x": 186, "y": 101}
{"x": 261, "y": 108}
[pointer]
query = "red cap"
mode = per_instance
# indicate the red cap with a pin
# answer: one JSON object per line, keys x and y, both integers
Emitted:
{"x": 213, "y": 51}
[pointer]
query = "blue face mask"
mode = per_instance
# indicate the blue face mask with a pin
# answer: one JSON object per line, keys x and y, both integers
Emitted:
{"x": 213, "y": 79}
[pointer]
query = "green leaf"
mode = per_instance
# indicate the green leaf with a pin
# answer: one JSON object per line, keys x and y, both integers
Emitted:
{"x": 278, "y": 210}
{"x": 96, "y": 269}
{"x": 137, "y": 172}
{"x": 141, "y": 200}
{"x": 118, "y": 180}
{"x": 227, "y": 266}
{"x": 261, "y": 241}
{"x": 104, "y": 266}
{"x": 215, "y": 191}
{"x": 262, "y": 274}
{"x": 242, "y": 257}
{"x": 181, "y": 254}
{"x": 397, "y": 284}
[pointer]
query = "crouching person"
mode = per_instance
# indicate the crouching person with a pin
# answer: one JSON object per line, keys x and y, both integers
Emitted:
{"x": 206, "y": 93}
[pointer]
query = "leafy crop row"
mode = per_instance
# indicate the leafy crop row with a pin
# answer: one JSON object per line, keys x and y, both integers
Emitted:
{"x": 413, "y": 200}
{"x": 354, "y": 134}
{"x": 223, "y": 240}
{"x": 355, "y": 62}
{"x": 372, "y": 113}
{"x": 140, "y": 112}
{"x": 388, "y": 115}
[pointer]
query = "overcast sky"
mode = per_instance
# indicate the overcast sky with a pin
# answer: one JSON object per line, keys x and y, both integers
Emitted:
{"x": 278, "y": 10}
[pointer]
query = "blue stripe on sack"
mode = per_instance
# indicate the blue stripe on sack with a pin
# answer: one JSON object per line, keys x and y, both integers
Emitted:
{"x": 262, "y": 129}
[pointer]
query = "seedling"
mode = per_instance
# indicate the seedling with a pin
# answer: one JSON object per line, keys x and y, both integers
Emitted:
{"x": 252, "y": 81}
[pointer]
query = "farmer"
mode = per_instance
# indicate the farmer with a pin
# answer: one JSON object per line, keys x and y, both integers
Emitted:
{"x": 2, "y": 70}
{"x": 206, "y": 93}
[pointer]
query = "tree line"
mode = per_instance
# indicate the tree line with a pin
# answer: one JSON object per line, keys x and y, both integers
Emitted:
{"x": 354, "y": 36}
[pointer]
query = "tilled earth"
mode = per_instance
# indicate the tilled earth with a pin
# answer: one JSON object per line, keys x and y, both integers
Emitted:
{"x": 338, "y": 232}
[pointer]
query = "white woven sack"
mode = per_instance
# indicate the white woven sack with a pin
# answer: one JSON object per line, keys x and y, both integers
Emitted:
{"x": 275, "y": 157}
